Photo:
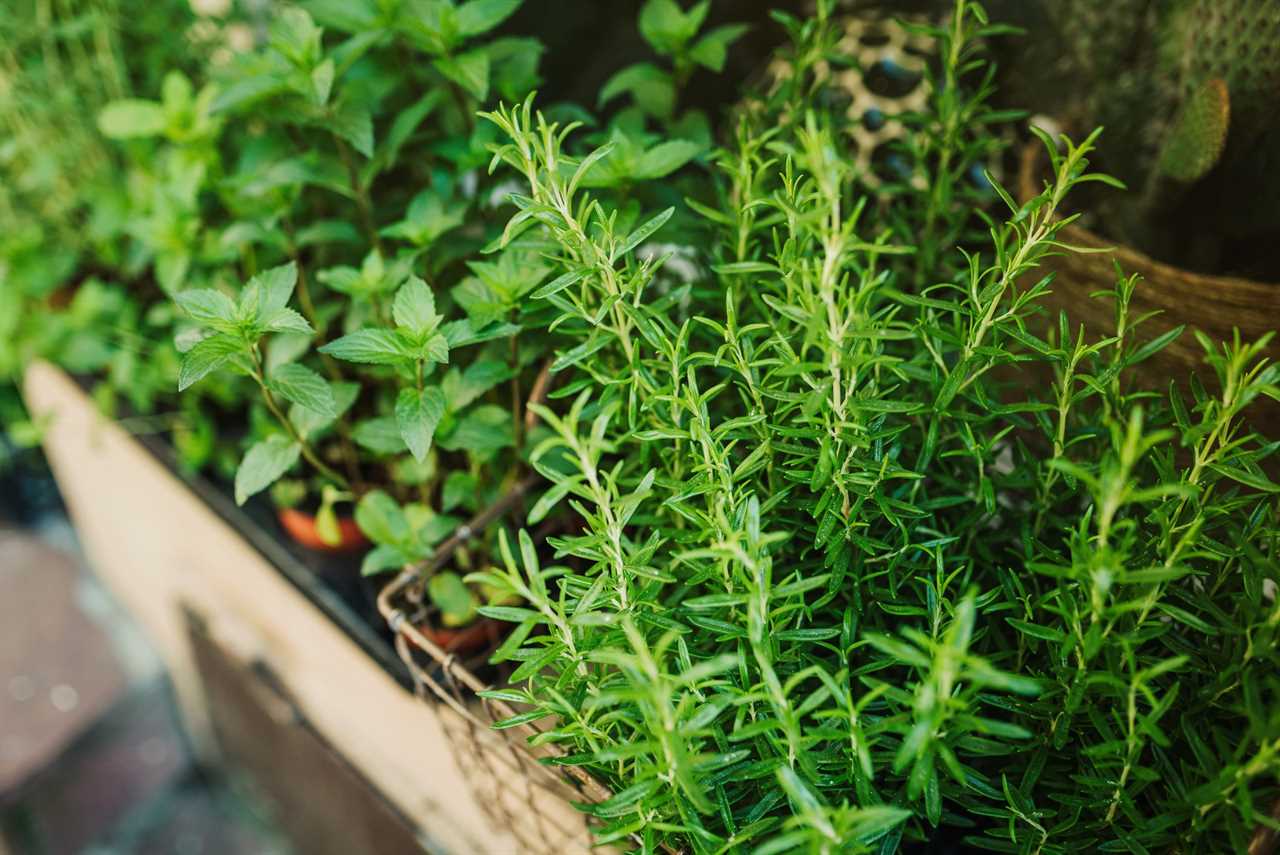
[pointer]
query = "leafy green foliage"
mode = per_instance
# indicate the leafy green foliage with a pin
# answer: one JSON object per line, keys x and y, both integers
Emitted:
{"x": 846, "y": 577}
{"x": 672, "y": 32}
{"x": 845, "y": 546}
{"x": 265, "y": 463}
{"x": 418, "y": 413}
{"x": 455, "y": 600}
{"x": 402, "y": 534}
{"x": 312, "y": 210}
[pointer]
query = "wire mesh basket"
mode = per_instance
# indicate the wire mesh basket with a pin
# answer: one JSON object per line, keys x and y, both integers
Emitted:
{"x": 520, "y": 794}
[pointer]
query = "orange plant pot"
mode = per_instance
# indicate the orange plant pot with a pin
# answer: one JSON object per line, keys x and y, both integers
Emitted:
{"x": 471, "y": 638}
{"x": 301, "y": 527}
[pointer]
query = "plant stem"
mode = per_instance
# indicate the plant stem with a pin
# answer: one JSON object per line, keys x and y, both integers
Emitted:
{"x": 363, "y": 203}
{"x": 350, "y": 459}
{"x": 307, "y": 451}
{"x": 514, "y": 361}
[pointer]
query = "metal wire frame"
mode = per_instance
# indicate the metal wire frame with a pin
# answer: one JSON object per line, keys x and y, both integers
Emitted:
{"x": 524, "y": 796}
{"x": 502, "y": 769}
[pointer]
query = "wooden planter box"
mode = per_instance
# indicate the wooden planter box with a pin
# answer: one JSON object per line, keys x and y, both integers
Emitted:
{"x": 175, "y": 552}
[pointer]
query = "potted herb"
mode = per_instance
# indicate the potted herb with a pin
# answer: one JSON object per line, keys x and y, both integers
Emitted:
{"x": 819, "y": 567}
{"x": 366, "y": 391}
{"x": 846, "y": 579}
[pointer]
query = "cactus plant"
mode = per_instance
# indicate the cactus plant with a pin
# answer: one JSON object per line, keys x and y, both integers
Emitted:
{"x": 1188, "y": 92}
{"x": 1198, "y": 134}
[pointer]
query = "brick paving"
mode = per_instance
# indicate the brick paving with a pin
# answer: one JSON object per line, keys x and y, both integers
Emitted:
{"x": 92, "y": 756}
{"x": 58, "y": 673}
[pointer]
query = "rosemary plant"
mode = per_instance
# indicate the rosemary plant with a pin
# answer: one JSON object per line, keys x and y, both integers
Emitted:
{"x": 847, "y": 545}
{"x": 849, "y": 573}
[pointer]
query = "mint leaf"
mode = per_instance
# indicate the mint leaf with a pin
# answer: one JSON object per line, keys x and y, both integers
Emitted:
{"x": 433, "y": 529}
{"x": 406, "y": 122}
{"x": 285, "y": 347}
{"x": 478, "y": 300}
{"x": 355, "y": 125}
{"x": 428, "y": 217}
{"x": 461, "y": 388}
{"x": 322, "y": 82}
{"x": 344, "y": 279}
{"x": 381, "y": 559}
{"x": 248, "y": 90}
{"x": 712, "y": 49}
{"x": 513, "y": 66}
{"x": 435, "y": 349}
{"x": 304, "y": 387}
{"x": 129, "y": 118}
{"x": 382, "y": 520}
{"x": 308, "y": 421}
{"x": 208, "y": 355}
{"x": 275, "y": 289}
{"x": 371, "y": 347}
{"x": 460, "y": 489}
{"x": 469, "y": 70}
{"x": 481, "y": 16}
{"x": 665, "y": 158}
{"x": 328, "y": 231}
{"x": 265, "y": 462}
{"x": 287, "y": 320}
{"x": 375, "y": 276}
{"x": 209, "y": 307}
{"x": 652, "y": 88}
{"x": 349, "y": 16}
{"x": 417, "y": 415}
{"x": 667, "y": 28}
{"x": 172, "y": 266}
{"x": 414, "y": 308}
{"x": 484, "y": 430}
{"x": 294, "y": 33}
{"x": 456, "y": 602}
{"x": 466, "y": 331}
{"x": 380, "y": 435}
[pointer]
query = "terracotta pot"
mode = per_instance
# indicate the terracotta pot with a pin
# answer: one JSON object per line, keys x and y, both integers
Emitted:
{"x": 471, "y": 638}
{"x": 301, "y": 526}
{"x": 1217, "y": 305}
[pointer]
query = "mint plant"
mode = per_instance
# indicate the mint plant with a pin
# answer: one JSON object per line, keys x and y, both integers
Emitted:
{"x": 379, "y": 356}
{"x": 677, "y": 35}
{"x": 354, "y": 362}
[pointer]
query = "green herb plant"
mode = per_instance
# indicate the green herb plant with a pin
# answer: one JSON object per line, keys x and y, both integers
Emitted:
{"x": 843, "y": 544}
{"x": 66, "y": 269}
{"x": 317, "y": 212}
{"x": 846, "y": 579}
{"x": 360, "y": 388}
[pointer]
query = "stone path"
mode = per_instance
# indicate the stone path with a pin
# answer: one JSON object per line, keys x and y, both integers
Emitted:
{"x": 92, "y": 757}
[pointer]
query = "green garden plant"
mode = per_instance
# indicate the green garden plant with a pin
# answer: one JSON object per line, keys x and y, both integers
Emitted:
{"x": 317, "y": 212}
{"x": 819, "y": 560}
{"x": 65, "y": 272}
{"x": 845, "y": 579}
